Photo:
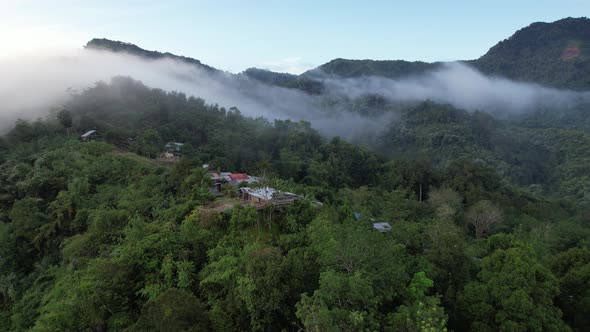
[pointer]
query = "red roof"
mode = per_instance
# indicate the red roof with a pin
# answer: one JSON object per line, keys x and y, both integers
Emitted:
{"x": 239, "y": 176}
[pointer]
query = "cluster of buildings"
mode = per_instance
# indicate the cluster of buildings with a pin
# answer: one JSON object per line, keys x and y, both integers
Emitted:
{"x": 267, "y": 195}
{"x": 249, "y": 193}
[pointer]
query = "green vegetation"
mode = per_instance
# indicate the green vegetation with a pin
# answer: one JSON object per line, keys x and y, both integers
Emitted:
{"x": 536, "y": 151}
{"x": 285, "y": 80}
{"x": 551, "y": 54}
{"x": 96, "y": 238}
{"x": 385, "y": 68}
{"x": 122, "y": 47}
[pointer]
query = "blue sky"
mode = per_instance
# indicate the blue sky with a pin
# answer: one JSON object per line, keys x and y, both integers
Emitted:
{"x": 287, "y": 36}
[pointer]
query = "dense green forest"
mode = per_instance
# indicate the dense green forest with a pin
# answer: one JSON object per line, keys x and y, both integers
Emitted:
{"x": 98, "y": 236}
{"x": 552, "y": 54}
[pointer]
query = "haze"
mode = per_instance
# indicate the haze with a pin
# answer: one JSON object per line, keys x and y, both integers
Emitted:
{"x": 53, "y": 76}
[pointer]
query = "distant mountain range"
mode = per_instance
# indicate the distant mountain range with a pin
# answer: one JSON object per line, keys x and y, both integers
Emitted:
{"x": 554, "y": 54}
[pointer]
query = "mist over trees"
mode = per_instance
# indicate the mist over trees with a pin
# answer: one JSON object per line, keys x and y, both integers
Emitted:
{"x": 93, "y": 238}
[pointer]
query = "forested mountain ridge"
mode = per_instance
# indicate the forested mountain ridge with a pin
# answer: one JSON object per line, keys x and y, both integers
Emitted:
{"x": 123, "y": 47}
{"x": 555, "y": 54}
{"x": 385, "y": 68}
{"x": 265, "y": 76}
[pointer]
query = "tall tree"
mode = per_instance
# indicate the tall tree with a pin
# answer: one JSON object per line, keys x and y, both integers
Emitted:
{"x": 65, "y": 119}
{"x": 483, "y": 215}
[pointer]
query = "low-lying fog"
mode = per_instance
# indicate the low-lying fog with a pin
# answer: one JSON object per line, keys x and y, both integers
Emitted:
{"x": 32, "y": 85}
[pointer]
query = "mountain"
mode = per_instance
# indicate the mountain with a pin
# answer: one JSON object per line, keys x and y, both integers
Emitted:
{"x": 555, "y": 54}
{"x": 123, "y": 47}
{"x": 265, "y": 76}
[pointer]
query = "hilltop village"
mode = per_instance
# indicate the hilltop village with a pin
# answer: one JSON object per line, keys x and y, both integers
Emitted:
{"x": 236, "y": 189}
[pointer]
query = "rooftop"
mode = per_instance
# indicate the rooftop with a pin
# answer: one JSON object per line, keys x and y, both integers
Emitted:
{"x": 382, "y": 226}
{"x": 88, "y": 133}
{"x": 266, "y": 193}
{"x": 174, "y": 144}
{"x": 239, "y": 176}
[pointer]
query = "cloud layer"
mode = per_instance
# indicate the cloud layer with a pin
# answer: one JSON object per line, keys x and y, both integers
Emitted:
{"x": 32, "y": 85}
{"x": 459, "y": 85}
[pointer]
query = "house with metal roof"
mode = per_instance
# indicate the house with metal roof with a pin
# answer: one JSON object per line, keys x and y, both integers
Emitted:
{"x": 89, "y": 135}
{"x": 174, "y": 148}
{"x": 382, "y": 227}
{"x": 237, "y": 178}
{"x": 267, "y": 195}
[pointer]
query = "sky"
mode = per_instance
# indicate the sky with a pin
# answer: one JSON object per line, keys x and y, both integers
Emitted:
{"x": 284, "y": 36}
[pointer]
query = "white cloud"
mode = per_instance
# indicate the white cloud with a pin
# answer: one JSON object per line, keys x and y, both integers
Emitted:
{"x": 292, "y": 65}
{"x": 459, "y": 85}
{"x": 18, "y": 40}
{"x": 30, "y": 86}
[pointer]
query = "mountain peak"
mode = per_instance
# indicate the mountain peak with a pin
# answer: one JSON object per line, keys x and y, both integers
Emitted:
{"x": 129, "y": 48}
{"x": 548, "y": 53}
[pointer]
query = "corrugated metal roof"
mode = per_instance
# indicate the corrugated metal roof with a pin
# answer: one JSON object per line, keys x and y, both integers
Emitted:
{"x": 382, "y": 226}
{"x": 88, "y": 133}
{"x": 239, "y": 176}
{"x": 266, "y": 193}
{"x": 177, "y": 144}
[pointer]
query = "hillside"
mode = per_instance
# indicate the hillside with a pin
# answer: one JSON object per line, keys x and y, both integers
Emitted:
{"x": 285, "y": 80}
{"x": 96, "y": 240}
{"x": 554, "y": 54}
{"x": 123, "y": 47}
{"x": 385, "y": 68}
